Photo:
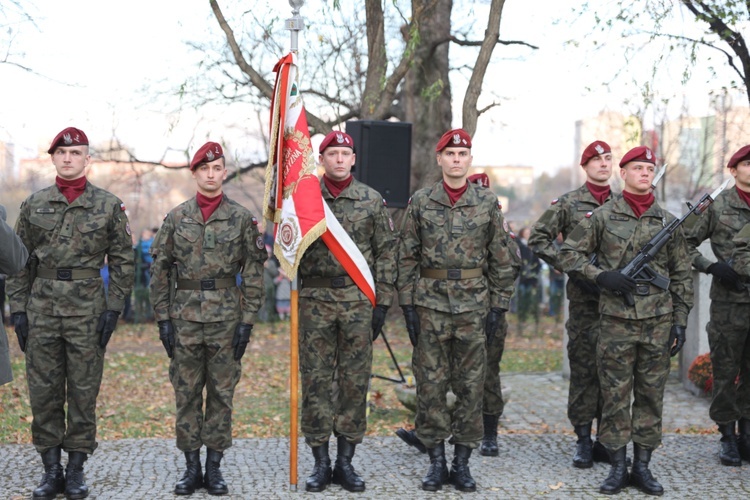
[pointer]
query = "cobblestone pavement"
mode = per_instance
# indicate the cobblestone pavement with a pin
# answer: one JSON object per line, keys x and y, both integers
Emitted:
{"x": 536, "y": 447}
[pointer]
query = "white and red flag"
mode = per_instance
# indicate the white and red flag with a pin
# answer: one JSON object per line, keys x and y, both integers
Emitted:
{"x": 293, "y": 201}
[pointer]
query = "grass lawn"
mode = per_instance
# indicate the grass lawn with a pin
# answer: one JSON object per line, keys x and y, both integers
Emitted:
{"x": 136, "y": 398}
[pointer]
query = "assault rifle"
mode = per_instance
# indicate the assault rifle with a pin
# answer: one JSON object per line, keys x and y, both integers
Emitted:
{"x": 639, "y": 268}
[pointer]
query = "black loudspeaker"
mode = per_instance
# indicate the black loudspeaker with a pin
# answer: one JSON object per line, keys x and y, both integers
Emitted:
{"x": 383, "y": 158}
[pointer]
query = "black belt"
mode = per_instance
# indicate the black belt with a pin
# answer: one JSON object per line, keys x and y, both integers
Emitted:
{"x": 451, "y": 274}
{"x": 337, "y": 282}
{"x": 67, "y": 274}
{"x": 207, "y": 284}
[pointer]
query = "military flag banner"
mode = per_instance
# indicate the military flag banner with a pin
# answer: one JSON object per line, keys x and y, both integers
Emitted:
{"x": 293, "y": 200}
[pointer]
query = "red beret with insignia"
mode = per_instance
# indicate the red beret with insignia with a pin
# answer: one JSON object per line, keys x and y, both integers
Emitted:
{"x": 336, "y": 139}
{"x": 71, "y": 136}
{"x": 641, "y": 153}
{"x": 480, "y": 179}
{"x": 596, "y": 148}
{"x": 456, "y": 138}
{"x": 209, "y": 152}
{"x": 742, "y": 154}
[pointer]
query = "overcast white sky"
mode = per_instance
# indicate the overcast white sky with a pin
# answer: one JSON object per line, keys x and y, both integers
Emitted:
{"x": 118, "y": 47}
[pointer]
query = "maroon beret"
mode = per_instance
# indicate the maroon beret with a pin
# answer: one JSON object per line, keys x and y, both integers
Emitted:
{"x": 210, "y": 151}
{"x": 71, "y": 136}
{"x": 640, "y": 153}
{"x": 742, "y": 154}
{"x": 596, "y": 148}
{"x": 480, "y": 179}
{"x": 456, "y": 138}
{"x": 336, "y": 139}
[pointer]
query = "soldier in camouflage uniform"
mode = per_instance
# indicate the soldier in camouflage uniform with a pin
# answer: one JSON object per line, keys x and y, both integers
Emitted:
{"x": 563, "y": 215}
{"x": 62, "y": 315}
{"x": 338, "y": 324}
{"x": 729, "y": 324}
{"x": 452, "y": 306}
{"x": 202, "y": 246}
{"x": 13, "y": 257}
{"x": 635, "y": 342}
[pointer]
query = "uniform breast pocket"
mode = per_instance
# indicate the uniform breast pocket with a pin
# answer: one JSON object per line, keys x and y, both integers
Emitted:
{"x": 616, "y": 241}
{"x": 478, "y": 220}
{"x": 732, "y": 221}
{"x": 44, "y": 225}
{"x": 360, "y": 224}
{"x": 185, "y": 232}
{"x": 433, "y": 218}
{"x": 229, "y": 241}
{"x": 92, "y": 230}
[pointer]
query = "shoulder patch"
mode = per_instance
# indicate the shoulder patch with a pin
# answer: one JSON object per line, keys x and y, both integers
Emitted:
{"x": 554, "y": 202}
{"x": 259, "y": 243}
{"x": 122, "y": 207}
{"x": 127, "y": 229}
{"x": 390, "y": 223}
{"x": 588, "y": 214}
{"x": 255, "y": 221}
{"x": 518, "y": 253}
{"x": 506, "y": 228}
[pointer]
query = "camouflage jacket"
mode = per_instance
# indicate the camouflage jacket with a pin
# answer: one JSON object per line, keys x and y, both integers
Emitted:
{"x": 13, "y": 254}
{"x": 471, "y": 234}
{"x": 363, "y": 215}
{"x": 726, "y": 216}
{"x": 741, "y": 254}
{"x": 227, "y": 244}
{"x": 615, "y": 235}
{"x": 73, "y": 236}
{"x": 562, "y": 216}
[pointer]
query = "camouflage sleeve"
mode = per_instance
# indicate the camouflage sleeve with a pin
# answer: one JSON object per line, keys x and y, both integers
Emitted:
{"x": 544, "y": 232}
{"x": 681, "y": 280}
{"x": 741, "y": 253}
{"x": 252, "y": 271}
{"x": 409, "y": 254}
{"x": 502, "y": 267}
{"x": 162, "y": 254}
{"x": 13, "y": 254}
{"x": 575, "y": 251}
{"x": 384, "y": 251}
{"x": 17, "y": 286}
{"x": 120, "y": 260}
{"x": 697, "y": 230}
{"x": 515, "y": 254}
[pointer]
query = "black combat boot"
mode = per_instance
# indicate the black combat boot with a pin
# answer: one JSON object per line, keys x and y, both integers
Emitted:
{"x": 640, "y": 476}
{"x": 53, "y": 480}
{"x": 321, "y": 473}
{"x": 618, "y": 473}
{"x": 489, "y": 441}
{"x": 212, "y": 479}
{"x": 583, "y": 458}
{"x": 729, "y": 454}
{"x": 192, "y": 479}
{"x": 410, "y": 438}
{"x": 437, "y": 474}
{"x": 460, "y": 475}
{"x": 75, "y": 483}
{"x": 744, "y": 441}
{"x": 344, "y": 473}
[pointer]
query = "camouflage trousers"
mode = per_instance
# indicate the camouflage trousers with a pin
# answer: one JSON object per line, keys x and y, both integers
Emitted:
{"x": 584, "y": 395}
{"x": 450, "y": 354}
{"x": 633, "y": 358}
{"x": 493, "y": 403}
{"x": 729, "y": 340}
{"x": 64, "y": 364}
{"x": 335, "y": 342}
{"x": 204, "y": 357}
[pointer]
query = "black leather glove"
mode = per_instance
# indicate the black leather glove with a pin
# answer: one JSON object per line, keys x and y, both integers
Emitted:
{"x": 728, "y": 276}
{"x": 412, "y": 323}
{"x": 492, "y": 323}
{"x": 21, "y": 324}
{"x": 105, "y": 326}
{"x": 676, "y": 333}
{"x": 586, "y": 285}
{"x": 378, "y": 320}
{"x": 616, "y": 282}
{"x": 241, "y": 339}
{"x": 166, "y": 335}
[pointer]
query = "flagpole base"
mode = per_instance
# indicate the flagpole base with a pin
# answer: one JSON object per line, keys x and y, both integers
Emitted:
{"x": 293, "y": 488}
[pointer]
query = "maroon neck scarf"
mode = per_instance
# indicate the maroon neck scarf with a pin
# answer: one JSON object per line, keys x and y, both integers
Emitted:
{"x": 335, "y": 187}
{"x": 639, "y": 202}
{"x": 455, "y": 194}
{"x": 71, "y": 189}
{"x": 600, "y": 193}
{"x": 744, "y": 195}
{"x": 208, "y": 205}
